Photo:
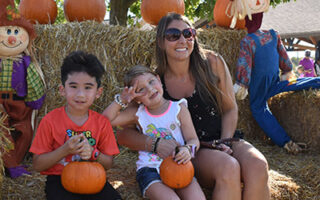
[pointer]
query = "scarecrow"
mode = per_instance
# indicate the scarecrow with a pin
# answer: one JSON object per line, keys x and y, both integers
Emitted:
{"x": 21, "y": 84}
{"x": 261, "y": 59}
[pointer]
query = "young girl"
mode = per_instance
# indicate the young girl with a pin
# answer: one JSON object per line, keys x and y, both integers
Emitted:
{"x": 160, "y": 119}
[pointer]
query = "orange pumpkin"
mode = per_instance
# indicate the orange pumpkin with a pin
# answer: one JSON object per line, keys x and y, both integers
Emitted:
{"x": 83, "y": 177}
{"x": 176, "y": 175}
{"x": 153, "y": 10}
{"x": 41, "y": 11}
{"x": 220, "y": 17}
{"x": 81, "y": 10}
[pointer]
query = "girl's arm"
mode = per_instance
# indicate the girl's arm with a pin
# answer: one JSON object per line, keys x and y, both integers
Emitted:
{"x": 189, "y": 135}
{"x": 119, "y": 118}
{"x": 127, "y": 116}
{"x": 228, "y": 103}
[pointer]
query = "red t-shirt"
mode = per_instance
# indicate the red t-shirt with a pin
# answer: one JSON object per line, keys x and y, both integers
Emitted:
{"x": 56, "y": 128}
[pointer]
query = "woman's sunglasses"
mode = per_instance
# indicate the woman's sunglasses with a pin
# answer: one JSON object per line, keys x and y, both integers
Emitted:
{"x": 173, "y": 34}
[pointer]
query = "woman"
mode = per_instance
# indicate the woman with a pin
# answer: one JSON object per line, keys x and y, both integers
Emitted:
{"x": 202, "y": 77}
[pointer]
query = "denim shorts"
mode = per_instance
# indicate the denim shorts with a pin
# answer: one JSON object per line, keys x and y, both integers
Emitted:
{"x": 145, "y": 177}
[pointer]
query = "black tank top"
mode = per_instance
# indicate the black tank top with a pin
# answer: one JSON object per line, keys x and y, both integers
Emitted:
{"x": 206, "y": 118}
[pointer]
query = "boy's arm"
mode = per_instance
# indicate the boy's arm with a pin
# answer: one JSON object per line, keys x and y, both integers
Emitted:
{"x": 42, "y": 162}
{"x": 105, "y": 160}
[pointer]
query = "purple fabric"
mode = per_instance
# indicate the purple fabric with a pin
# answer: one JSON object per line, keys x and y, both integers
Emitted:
{"x": 19, "y": 74}
{"x": 36, "y": 104}
{"x": 18, "y": 171}
{"x": 308, "y": 64}
{"x": 254, "y": 24}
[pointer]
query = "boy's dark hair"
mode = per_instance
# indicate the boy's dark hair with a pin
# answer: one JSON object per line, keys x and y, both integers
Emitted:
{"x": 79, "y": 61}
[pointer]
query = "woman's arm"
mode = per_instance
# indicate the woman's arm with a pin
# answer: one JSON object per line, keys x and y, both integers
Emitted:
{"x": 228, "y": 103}
{"x": 131, "y": 138}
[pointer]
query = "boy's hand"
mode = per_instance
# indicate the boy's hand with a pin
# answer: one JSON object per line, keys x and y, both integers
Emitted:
{"x": 73, "y": 145}
{"x": 79, "y": 144}
{"x": 86, "y": 149}
{"x": 183, "y": 156}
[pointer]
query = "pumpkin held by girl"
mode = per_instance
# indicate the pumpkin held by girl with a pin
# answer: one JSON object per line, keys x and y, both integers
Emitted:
{"x": 176, "y": 175}
{"x": 21, "y": 85}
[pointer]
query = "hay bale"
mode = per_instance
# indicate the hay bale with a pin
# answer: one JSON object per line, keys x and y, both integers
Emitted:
{"x": 5, "y": 144}
{"x": 297, "y": 112}
{"x": 117, "y": 47}
{"x": 290, "y": 177}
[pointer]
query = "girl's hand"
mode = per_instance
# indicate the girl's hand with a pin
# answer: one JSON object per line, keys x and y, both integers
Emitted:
{"x": 130, "y": 93}
{"x": 183, "y": 156}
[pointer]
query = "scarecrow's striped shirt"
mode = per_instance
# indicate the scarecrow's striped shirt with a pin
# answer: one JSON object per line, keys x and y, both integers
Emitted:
{"x": 35, "y": 85}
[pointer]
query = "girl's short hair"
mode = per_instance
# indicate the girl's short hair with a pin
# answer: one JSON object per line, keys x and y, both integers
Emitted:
{"x": 135, "y": 71}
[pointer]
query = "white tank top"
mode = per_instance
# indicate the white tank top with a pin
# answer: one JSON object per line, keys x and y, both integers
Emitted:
{"x": 165, "y": 125}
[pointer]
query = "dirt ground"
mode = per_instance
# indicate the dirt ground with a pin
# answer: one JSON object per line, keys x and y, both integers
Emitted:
{"x": 291, "y": 177}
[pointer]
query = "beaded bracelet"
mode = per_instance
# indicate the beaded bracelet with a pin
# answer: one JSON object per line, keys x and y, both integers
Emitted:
{"x": 118, "y": 100}
{"x": 156, "y": 145}
{"x": 153, "y": 144}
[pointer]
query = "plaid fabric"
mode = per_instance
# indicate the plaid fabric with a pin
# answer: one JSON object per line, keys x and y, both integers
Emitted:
{"x": 35, "y": 85}
{"x": 5, "y": 75}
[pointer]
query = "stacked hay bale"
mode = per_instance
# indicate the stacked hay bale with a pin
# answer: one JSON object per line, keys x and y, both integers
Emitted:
{"x": 117, "y": 47}
{"x": 5, "y": 143}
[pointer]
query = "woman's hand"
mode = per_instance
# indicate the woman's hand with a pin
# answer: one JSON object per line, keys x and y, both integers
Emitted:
{"x": 225, "y": 148}
{"x": 166, "y": 148}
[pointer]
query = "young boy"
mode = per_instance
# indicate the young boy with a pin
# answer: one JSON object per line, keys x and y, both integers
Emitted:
{"x": 75, "y": 132}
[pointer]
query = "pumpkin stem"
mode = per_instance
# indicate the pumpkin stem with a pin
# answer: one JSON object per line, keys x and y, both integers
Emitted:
{"x": 258, "y": 3}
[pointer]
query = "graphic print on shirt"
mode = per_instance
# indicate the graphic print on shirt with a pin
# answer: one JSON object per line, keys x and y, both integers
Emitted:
{"x": 69, "y": 134}
{"x": 155, "y": 132}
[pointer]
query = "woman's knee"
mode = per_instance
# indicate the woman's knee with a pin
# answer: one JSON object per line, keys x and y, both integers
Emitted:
{"x": 256, "y": 169}
{"x": 229, "y": 170}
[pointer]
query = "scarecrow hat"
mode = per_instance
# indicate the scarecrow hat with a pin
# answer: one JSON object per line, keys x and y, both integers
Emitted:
{"x": 10, "y": 16}
{"x": 255, "y": 23}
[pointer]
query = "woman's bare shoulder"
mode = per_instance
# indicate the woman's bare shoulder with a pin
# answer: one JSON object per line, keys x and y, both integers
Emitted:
{"x": 216, "y": 61}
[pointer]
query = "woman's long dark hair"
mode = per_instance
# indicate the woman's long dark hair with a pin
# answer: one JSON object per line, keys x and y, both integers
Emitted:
{"x": 200, "y": 68}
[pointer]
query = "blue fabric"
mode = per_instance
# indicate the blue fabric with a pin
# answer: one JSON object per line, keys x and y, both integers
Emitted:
{"x": 265, "y": 83}
{"x": 146, "y": 176}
